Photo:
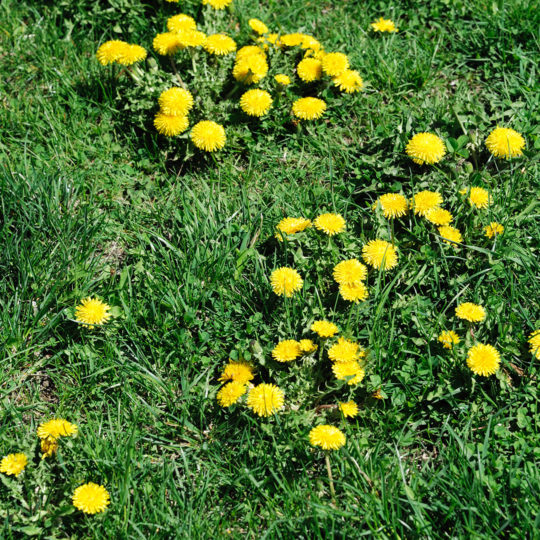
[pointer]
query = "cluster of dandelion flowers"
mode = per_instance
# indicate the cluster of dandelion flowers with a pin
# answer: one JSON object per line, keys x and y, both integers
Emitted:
{"x": 334, "y": 64}
{"x": 309, "y": 69}
{"x": 534, "y": 344}
{"x": 230, "y": 393}
{"x": 349, "y": 272}
{"x": 92, "y": 312}
{"x": 327, "y": 437}
{"x": 505, "y": 143}
{"x": 176, "y": 101}
{"x": 292, "y": 225}
{"x": 351, "y": 371}
{"x": 120, "y": 52}
{"x": 426, "y": 148}
{"x": 380, "y": 254}
{"x": 345, "y": 351}
{"x": 439, "y": 216}
{"x": 241, "y": 372}
{"x": 256, "y": 102}
{"x": 493, "y": 229}
{"x": 384, "y": 25}
{"x": 308, "y": 108}
{"x": 330, "y": 224}
{"x": 324, "y": 329}
{"x": 208, "y": 136}
{"x": 219, "y": 44}
{"x": 91, "y": 498}
{"x": 349, "y": 409}
{"x": 483, "y": 359}
{"x": 470, "y": 312}
{"x": 13, "y": 464}
{"x": 478, "y": 197}
{"x": 56, "y": 428}
{"x": 450, "y": 235}
{"x": 170, "y": 125}
{"x": 307, "y": 346}
{"x": 394, "y": 205}
{"x": 265, "y": 399}
{"x": 425, "y": 201}
{"x": 287, "y": 351}
{"x": 448, "y": 338}
{"x": 282, "y": 79}
{"x": 285, "y": 281}
{"x": 349, "y": 81}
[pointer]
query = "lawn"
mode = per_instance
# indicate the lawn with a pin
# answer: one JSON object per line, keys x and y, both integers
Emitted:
{"x": 181, "y": 243}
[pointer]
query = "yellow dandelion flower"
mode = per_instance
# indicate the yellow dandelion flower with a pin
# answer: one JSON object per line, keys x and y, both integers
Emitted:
{"x": 470, "y": 312}
{"x": 380, "y": 254}
{"x": 48, "y": 447}
{"x": 167, "y": 43}
{"x": 334, "y": 64}
{"x": 170, "y": 125}
{"x": 505, "y": 143}
{"x": 534, "y": 344}
{"x": 483, "y": 359}
{"x": 324, "y": 329}
{"x": 250, "y": 69}
{"x": 265, "y": 399}
{"x": 230, "y": 393}
{"x": 131, "y": 54}
{"x": 349, "y": 81}
{"x": 208, "y": 136}
{"x": 308, "y": 108}
{"x": 92, "y": 312}
{"x": 181, "y": 23}
{"x": 494, "y": 229}
{"x": 309, "y": 69}
{"x": 353, "y": 292}
{"x": 327, "y": 437}
{"x": 13, "y": 464}
{"x": 292, "y": 40}
{"x": 56, "y": 428}
{"x": 393, "y": 205}
{"x": 285, "y": 281}
{"x": 384, "y": 25}
{"x": 175, "y": 101}
{"x": 247, "y": 51}
{"x": 330, "y": 224}
{"x": 191, "y": 38}
{"x": 349, "y": 272}
{"x": 292, "y": 225}
{"x": 110, "y": 51}
{"x": 91, "y": 498}
{"x": 345, "y": 351}
{"x": 439, "y": 216}
{"x": 287, "y": 351}
{"x": 450, "y": 235}
{"x": 217, "y": 4}
{"x": 426, "y": 148}
{"x": 219, "y": 44}
{"x": 448, "y": 338}
{"x": 352, "y": 372}
{"x": 282, "y": 79}
{"x": 307, "y": 346}
{"x": 424, "y": 201}
{"x": 349, "y": 409}
{"x": 256, "y": 102}
{"x": 258, "y": 26}
{"x": 478, "y": 196}
{"x": 240, "y": 372}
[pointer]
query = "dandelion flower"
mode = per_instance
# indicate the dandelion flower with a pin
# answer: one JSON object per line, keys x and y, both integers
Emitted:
{"x": 377, "y": 394}
{"x": 483, "y": 359}
{"x": 13, "y": 464}
{"x": 167, "y": 43}
{"x": 92, "y": 311}
{"x": 334, "y": 64}
{"x": 470, "y": 312}
{"x": 353, "y": 292}
{"x": 380, "y": 254}
{"x": 327, "y": 437}
{"x": 349, "y": 409}
{"x": 310, "y": 43}
{"x": 424, "y": 201}
{"x": 307, "y": 346}
{"x": 181, "y": 23}
{"x": 230, "y": 393}
{"x": 48, "y": 447}
{"x": 330, "y": 224}
{"x": 505, "y": 143}
{"x": 494, "y": 229}
{"x": 258, "y": 26}
{"x": 219, "y": 44}
{"x": 324, "y": 329}
{"x": 450, "y": 235}
{"x": 426, "y": 148}
{"x": 308, "y": 108}
{"x": 349, "y": 272}
{"x": 287, "y": 351}
{"x": 250, "y": 69}
{"x": 292, "y": 225}
{"x": 292, "y": 40}
{"x": 349, "y": 81}
{"x": 131, "y": 54}
{"x": 175, "y": 101}
{"x": 191, "y": 38}
{"x": 91, "y": 498}
{"x": 448, "y": 338}
{"x": 439, "y": 216}
{"x": 265, "y": 399}
{"x": 256, "y": 102}
{"x": 208, "y": 136}
{"x": 534, "y": 344}
{"x": 345, "y": 351}
{"x": 241, "y": 372}
{"x": 309, "y": 69}
{"x": 249, "y": 50}
{"x": 285, "y": 281}
{"x": 110, "y": 51}
{"x": 170, "y": 125}
{"x": 282, "y": 79}
{"x": 384, "y": 25}
{"x": 393, "y": 205}
{"x": 56, "y": 428}
{"x": 478, "y": 197}
{"x": 352, "y": 372}
{"x": 217, "y": 4}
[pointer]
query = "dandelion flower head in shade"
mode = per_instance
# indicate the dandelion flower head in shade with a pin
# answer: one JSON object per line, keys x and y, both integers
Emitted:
{"x": 352, "y": 371}
{"x": 470, "y": 312}
{"x": 450, "y": 235}
{"x": 505, "y": 143}
{"x": 334, "y": 64}
{"x": 56, "y": 428}
{"x": 250, "y": 69}
{"x": 176, "y": 101}
{"x": 394, "y": 205}
{"x": 353, "y": 292}
{"x": 426, "y": 148}
{"x": 349, "y": 272}
{"x": 483, "y": 359}
{"x": 493, "y": 229}
{"x": 448, "y": 338}
{"x": 439, "y": 216}
{"x": 208, "y": 136}
{"x": 131, "y": 54}
{"x": 327, "y": 437}
{"x": 256, "y": 102}
{"x": 258, "y": 26}
{"x": 324, "y": 329}
{"x": 349, "y": 81}
{"x": 384, "y": 25}
{"x": 241, "y": 372}
{"x": 424, "y": 201}
{"x": 13, "y": 464}
{"x": 349, "y": 409}
{"x": 170, "y": 125}
{"x": 307, "y": 346}
{"x": 265, "y": 399}
{"x": 345, "y": 351}
{"x": 285, "y": 281}
{"x": 292, "y": 225}
{"x": 167, "y": 43}
{"x": 287, "y": 351}
{"x": 308, "y": 108}
{"x": 309, "y": 69}
{"x": 330, "y": 224}
{"x": 110, "y": 51}
{"x": 377, "y": 394}
{"x": 230, "y": 393}
{"x": 219, "y": 44}
{"x": 534, "y": 344}
{"x": 48, "y": 447}
{"x": 282, "y": 79}
{"x": 181, "y": 23}
{"x": 380, "y": 254}
{"x": 92, "y": 311}
{"x": 217, "y": 4}
{"x": 478, "y": 197}
{"x": 91, "y": 498}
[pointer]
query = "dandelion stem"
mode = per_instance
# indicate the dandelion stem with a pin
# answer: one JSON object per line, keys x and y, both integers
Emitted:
{"x": 173, "y": 65}
{"x": 330, "y": 478}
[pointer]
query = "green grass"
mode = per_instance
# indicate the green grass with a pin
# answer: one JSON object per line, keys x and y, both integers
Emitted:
{"x": 93, "y": 202}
